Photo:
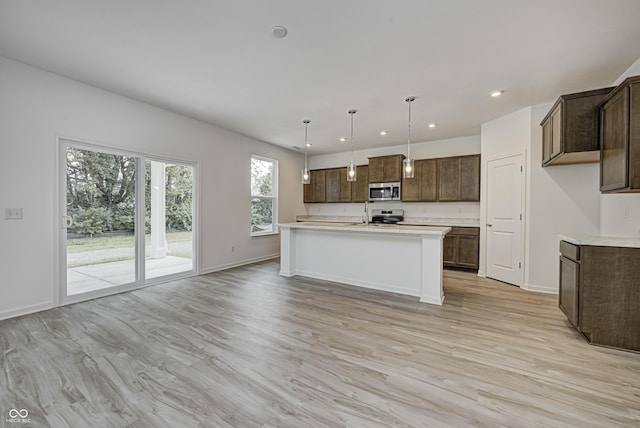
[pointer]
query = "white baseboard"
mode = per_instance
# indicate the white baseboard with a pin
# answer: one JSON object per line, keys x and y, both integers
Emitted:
{"x": 433, "y": 300}
{"x": 236, "y": 264}
{"x": 540, "y": 288}
{"x": 26, "y": 310}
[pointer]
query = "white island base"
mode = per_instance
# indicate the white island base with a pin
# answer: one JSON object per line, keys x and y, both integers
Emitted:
{"x": 399, "y": 259}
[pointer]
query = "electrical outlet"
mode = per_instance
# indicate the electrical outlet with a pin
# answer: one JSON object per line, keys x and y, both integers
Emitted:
{"x": 13, "y": 213}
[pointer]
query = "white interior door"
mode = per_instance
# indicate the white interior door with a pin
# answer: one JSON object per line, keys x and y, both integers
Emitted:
{"x": 504, "y": 220}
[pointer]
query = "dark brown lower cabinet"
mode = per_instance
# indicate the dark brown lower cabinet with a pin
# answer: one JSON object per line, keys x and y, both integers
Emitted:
{"x": 461, "y": 248}
{"x": 600, "y": 293}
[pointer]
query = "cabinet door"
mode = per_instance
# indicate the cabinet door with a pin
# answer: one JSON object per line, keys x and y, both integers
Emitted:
{"x": 315, "y": 191}
{"x": 449, "y": 250}
{"x": 614, "y": 125}
{"x": 427, "y": 171}
{"x": 470, "y": 178}
{"x": 338, "y": 189}
{"x": 392, "y": 169}
{"x": 423, "y": 187}
{"x": 634, "y": 137}
{"x": 468, "y": 251}
{"x": 360, "y": 187}
{"x": 556, "y": 131}
{"x": 332, "y": 185}
{"x": 345, "y": 186}
{"x": 546, "y": 142}
{"x": 448, "y": 176}
{"x": 411, "y": 186}
{"x": 376, "y": 170}
{"x": 568, "y": 295}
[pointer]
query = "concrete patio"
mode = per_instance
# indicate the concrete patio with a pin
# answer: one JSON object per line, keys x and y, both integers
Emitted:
{"x": 104, "y": 275}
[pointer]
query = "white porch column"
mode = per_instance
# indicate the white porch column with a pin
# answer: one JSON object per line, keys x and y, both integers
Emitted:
{"x": 158, "y": 206}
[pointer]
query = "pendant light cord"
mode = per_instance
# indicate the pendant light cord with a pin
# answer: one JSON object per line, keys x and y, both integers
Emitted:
{"x": 352, "y": 112}
{"x": 409, "y": 100}
{"x": 306, "y": 146}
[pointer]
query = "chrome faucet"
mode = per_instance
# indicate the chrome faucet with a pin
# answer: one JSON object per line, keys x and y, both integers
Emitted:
{"x": 366, "y": 213}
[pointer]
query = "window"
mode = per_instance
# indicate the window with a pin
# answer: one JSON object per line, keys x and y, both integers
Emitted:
{"x": 264, "y": 194}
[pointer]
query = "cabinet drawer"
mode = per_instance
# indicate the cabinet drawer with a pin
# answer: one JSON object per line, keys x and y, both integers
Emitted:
{"x": 569, "y": 250}
{"x": 473, "y": 231}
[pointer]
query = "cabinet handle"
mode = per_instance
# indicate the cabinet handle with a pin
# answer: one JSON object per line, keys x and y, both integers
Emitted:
{"x": 489, "y": 225}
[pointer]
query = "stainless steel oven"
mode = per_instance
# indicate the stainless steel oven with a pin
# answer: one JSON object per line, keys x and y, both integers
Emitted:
{"x": 384, "y": 191}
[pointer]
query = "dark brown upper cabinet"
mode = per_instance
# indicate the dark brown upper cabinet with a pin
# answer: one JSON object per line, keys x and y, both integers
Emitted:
{"x": 315, "y": 191}
{"x": 423, "y": 187}
{"x": 452, "y": 179}
{"x": 620, "y": 139}
{"x": 459, "y": 179}
{"x": 570, "y": 129}
{"x": 338, "y": 189}
{"x": 385, "y": 169}
{"x": 360, "y": 187}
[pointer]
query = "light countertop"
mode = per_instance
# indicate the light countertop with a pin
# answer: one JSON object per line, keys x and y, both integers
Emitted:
{"x": 411, "y": 221}
{"x": 403, "y": 229}
{"x": 602, "y": 241}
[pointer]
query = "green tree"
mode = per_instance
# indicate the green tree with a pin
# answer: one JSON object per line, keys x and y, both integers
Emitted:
{"x": 178, "y": 197}
{"x": 91, "y": 221}
{"x": 100, "y": 190}
{"x": 261, "y": 185}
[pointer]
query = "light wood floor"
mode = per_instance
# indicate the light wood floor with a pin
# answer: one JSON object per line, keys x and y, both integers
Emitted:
{"x": 248, "y": 348}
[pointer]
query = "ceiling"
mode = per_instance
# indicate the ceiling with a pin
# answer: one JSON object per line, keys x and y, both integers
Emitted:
{"x": 219, "y": 62}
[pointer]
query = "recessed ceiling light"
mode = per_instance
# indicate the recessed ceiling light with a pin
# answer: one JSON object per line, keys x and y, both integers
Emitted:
{"x": 384, "y": 132}
{"x": 433, "y": 125}
{"x": 496, "y": 94}
{"x": 279, "y": 31}
{"x": 343, "y": 139}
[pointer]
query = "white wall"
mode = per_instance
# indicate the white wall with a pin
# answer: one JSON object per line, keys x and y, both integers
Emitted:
{"x": 563, "y": 199}
{"x": 506, "y": 136}
{"x": 560, "y": 199}
{"x": 620, "y": 213}
{"x": 431, "y": 149}
{"x": 36, "y": 107}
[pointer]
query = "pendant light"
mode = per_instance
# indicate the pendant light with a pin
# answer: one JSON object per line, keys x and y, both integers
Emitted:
{"x": 351, "y": 169}
{"x": 306, "y": 177}
{"x": 407, "y": 170}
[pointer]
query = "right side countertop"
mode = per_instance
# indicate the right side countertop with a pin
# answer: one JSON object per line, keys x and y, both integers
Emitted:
{"x": 602, "y": 241}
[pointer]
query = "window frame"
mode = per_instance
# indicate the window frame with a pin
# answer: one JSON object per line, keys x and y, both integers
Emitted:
{"x": 273, "y": 198}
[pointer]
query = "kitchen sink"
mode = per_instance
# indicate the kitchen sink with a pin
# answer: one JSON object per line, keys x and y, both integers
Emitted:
{"x": 375, "y": 225}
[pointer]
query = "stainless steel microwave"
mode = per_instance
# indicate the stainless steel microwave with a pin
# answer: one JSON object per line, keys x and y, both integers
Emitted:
{"x": 384, "y": 191}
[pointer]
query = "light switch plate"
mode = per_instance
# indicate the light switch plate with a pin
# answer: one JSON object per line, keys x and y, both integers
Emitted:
{"x": 13, "y": 213}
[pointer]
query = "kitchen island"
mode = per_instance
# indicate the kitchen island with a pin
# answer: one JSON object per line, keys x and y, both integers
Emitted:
{"x": 396, "y": 258}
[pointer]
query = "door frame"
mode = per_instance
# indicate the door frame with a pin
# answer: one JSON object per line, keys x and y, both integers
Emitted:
{"x": 60, "y": 297}
{"x": 484, "y": 213}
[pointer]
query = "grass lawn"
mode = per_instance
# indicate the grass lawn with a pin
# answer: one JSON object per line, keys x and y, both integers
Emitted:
{"x": 108, "y": 249}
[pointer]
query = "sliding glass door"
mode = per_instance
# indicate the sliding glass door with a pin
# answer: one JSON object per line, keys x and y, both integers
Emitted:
{"x": 168, "y": 218}
{"x": 125, "y": 220}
